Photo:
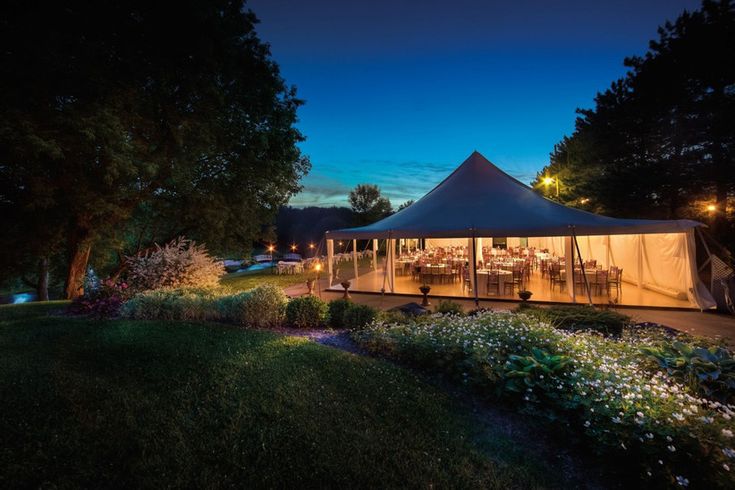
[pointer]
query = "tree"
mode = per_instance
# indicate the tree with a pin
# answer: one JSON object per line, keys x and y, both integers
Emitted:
{"x": 660, "y": 142}
{"x": 169, "y": 111}
{"x": 405, "y": 204}
{"x": 368, "y": 204}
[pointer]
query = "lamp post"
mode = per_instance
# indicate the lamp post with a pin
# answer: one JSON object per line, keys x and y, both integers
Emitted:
{"x": 318, "y": 267}
{"x": 551, "y": 180}
{"x": 271, "y": 248}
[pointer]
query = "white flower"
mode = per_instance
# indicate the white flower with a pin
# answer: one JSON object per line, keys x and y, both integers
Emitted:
{"x": 725, "y": 466}
{"x": 730, "y": 453}
{"x": 727, "y": 432}
{"x": 587, "y": 423}
{"x": 671, "y": 448}
{"x": 682, "y": 481}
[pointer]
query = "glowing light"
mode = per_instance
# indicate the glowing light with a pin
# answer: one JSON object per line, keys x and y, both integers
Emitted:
{"x": 711, "y": 208}
{"x": 584, "y": 200}
{"x": 293, "y": 247}
{"x": 271, "y": 248}
{"x": 318, "y": 267}
{"x": 311, "y": 245}
{"x": 548, "y": 180}
{"x": 340, "y": 244}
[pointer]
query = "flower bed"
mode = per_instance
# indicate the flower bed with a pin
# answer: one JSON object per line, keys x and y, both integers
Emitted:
{"x": 604, "y": 388}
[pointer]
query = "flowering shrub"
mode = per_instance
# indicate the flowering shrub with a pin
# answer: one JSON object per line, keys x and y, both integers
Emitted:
{"x": 306, "y": 312}
{"x": 602, "y": 386}
{"x": 178, "y": 264}
{"x": 101, "y": 299}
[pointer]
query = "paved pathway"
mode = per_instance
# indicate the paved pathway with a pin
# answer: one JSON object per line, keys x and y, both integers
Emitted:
{"x": 708, "y": 324}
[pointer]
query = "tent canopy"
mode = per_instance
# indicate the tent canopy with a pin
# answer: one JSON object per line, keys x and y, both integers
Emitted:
{"x": 479, "y": 199}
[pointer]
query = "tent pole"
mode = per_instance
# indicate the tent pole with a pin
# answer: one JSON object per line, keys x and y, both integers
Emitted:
{"x": 375, "y": 254}
{"x": 385, "y": 268}
{"x": 330, "y": 261}
{"x": 354, "y": 256}
{"x": 474, "y": 267}
{"x": 581, "y": 265}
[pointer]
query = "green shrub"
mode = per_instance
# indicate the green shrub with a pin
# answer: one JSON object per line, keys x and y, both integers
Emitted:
{"x": 337, "y": 312}
{"x": 448, "y": 307}
{"x": 173, "y": 304}
{"x": 707, "y": 371}
{"x": 394, "y": 316}
{"x": 264, "y": 306}
{"x": 578, "y": 317}
{"x": 359, "y": 316}
{"x": 306, "y": 312}
{"x": 231, "y": 307}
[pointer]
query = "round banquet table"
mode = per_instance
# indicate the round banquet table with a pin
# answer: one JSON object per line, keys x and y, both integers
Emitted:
{"x": 503, "y": 277}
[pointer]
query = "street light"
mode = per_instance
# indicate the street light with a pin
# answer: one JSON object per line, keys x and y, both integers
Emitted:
{"x": 551, "y": 180}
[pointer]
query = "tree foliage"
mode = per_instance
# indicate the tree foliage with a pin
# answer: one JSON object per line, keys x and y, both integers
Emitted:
{"x": 145, "y": 119}
{"x": 660, "y": 142}
{"x": 368, "y": 204}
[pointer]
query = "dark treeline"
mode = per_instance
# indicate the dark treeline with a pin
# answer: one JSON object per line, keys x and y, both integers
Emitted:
{"x": 660, "y": 142}
{"x": 127, "y": 123}
{"x": 302, "y": 226}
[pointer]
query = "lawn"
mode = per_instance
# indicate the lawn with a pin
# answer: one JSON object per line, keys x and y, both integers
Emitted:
{"x": 120, "y": 403}
{"x": 243, "y": 281}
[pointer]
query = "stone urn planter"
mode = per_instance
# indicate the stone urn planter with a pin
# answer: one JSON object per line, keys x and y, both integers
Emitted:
{"x": 310, "y": 286}
{"x": 425, "y": 291}
{"x": 525, "y": 295}
{"x": 346, "y": 286}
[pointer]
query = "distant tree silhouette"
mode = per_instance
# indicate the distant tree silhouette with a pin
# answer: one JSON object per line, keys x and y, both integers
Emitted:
{"x": 660, "y": 142}
{"x": 405, "y": 204}
{"x": 368, "y": 204}
{"x": 301, "y": 226}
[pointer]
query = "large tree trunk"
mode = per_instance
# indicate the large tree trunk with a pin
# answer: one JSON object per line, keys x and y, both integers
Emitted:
{"x": 42, "y": 285}
{"x": 80, "y": 245}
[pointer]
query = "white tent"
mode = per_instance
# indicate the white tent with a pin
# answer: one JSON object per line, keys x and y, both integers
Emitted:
{"x": 478, "y": 200}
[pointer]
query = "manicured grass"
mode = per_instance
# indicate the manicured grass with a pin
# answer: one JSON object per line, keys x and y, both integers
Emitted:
{"x": 243, "y": 281}
{"x": 152, "y": 404}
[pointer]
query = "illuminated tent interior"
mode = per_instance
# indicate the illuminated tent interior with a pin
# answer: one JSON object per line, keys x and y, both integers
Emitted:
{"x": 481, "y": 219}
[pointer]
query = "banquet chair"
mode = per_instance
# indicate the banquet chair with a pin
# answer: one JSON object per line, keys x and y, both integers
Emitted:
{"x": 555, "y": 275}
{"x": 600, "y": 281}
{"x": 493, "y": 282}
{"x": 436, "y": 274}
{"x": 466, "y": 284}
{"x": 615, "y": 279}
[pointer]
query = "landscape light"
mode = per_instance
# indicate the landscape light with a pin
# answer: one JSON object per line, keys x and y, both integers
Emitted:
{"x": 548, "y": 180}
{"x": 318, "y": 267}
{"x": 271, "y": 248}
{"x": 293, "y": 247}
{"x": 584, "y": 200}
{"x": 711, "y": 208}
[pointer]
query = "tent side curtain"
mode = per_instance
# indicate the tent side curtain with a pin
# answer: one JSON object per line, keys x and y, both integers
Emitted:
{"x": 661, "y": 262}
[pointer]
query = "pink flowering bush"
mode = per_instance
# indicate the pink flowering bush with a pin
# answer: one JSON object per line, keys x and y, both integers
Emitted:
{"x": 178, "y": 264}
{"x": 630, "y": 411}
{"x": 102, "y": 300}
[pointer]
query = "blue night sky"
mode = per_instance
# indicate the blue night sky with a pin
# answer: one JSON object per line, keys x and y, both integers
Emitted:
{"x": 398, "y": 93}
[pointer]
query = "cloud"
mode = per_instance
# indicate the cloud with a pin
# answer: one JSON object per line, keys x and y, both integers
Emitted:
{"x": 399, "y": 180}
